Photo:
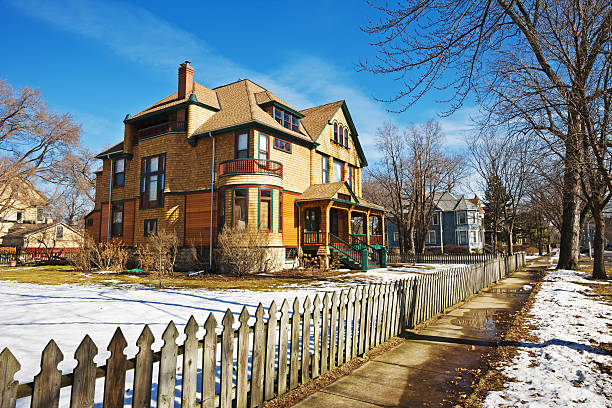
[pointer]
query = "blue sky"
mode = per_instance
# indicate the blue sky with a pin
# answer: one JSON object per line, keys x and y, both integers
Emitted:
{"x": 100, "y": 60}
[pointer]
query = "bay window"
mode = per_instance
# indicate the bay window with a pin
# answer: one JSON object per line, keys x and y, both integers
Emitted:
{"x": 240, "y": 207}
{"x": 242, "y": 146}
{"x": 265, "y": 210}
{"x": 264, "y": 147}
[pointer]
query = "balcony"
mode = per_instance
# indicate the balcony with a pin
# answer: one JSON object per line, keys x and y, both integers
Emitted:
{"x": 251, "y": 166}
{"x": 160, "y": 129}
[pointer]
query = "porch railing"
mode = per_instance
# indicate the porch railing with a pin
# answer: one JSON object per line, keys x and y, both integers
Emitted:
{"x": 374, "y": 254}
{"x": 242, "y": 166}
{"x": 311, "y": 237}
{"x": 358, "y": 239}
{"x": 161, "y": 128}
{"x": 376, "y": 239}
{"x": 346, "y": 249}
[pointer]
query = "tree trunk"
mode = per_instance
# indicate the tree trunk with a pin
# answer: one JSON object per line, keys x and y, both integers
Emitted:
{"x": 510, "y": 245}
{"x": 569, "y": 247}
{"x": 599, "y": 269}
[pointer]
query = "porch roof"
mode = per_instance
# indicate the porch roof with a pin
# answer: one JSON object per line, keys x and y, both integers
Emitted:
{"x": 329, "y": 191}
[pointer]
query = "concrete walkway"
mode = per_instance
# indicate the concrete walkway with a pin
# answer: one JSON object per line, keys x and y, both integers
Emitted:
{"x": 419, "y": 372}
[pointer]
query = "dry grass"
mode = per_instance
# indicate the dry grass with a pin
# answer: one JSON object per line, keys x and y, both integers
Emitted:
{"x": 56, "y": 275}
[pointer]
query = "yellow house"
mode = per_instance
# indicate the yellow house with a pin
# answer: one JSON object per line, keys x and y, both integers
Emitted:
{"x": 238, "y": 156}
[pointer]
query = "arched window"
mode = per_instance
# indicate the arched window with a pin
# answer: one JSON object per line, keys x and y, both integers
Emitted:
{"x": 346, "y": 137}
{"x": 340, "y": 134}
{"x": 335, "y": 132}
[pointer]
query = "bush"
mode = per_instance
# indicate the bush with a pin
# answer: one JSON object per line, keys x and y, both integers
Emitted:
{"x": 107, "y": 256}
{"x": 243, "y": 252}
{"x": 456, "y": 249}
{"x": 531, "y": 250}
{"x": 158, "y": 253}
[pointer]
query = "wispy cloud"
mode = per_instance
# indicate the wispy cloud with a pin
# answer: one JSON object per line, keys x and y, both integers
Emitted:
{"x": 144, "y": 38}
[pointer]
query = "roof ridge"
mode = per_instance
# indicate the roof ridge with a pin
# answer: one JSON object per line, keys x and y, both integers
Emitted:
{"x": 325, "y": 104}
{"x": 250, "y": 99}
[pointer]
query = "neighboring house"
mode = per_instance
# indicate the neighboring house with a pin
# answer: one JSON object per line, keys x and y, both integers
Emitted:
{"x": 456, "y": 220}
{"x": 57, "y": 236}
{"x": 293, "y": 174}
{"x": 21, "y": 204}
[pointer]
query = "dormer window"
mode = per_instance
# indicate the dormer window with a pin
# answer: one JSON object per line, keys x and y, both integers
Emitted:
{"x": 286, "y": 119}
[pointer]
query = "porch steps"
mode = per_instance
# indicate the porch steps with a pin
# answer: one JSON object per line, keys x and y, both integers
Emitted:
{"x": 346, "y": 260}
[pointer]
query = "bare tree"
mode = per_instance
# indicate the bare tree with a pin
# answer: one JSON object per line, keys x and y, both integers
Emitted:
{"x": 430, "y": 170}
{"x": 506, "y": 160}
{"x": 389, "y": 175}
{"x": 541, "y": 65}
{"x": 32, "y": 140}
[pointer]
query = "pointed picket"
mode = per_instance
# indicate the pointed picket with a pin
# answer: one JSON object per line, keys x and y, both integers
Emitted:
{"x": 209, "y": 362}
{"x": 355, "y": 320}
{"x": 258, "y": 358}
{"x": 190, "y": 365}
{"x": 325, "y": 335}
{"x": 316, "y": 324}
{"x": 333, "y": 327}
{"x": 114, "y": 383}
{"x": 167, "y": 368}
{"x": 242, "y": 372}
{"x": 348, "y": 342}
{"x": 9, "y": 366}
{"x": 84, "y": 375}
{"x": 282, "y": 348}
{"x": 47, "y": 382}
{"x": 341, "y": 328}
{"x": 143, "y": 373}
{"x": 227, "y": 359}
{"x": 295, "y": 342}
{"x": 269, "y": 376}
{"x": 306, "y": 342}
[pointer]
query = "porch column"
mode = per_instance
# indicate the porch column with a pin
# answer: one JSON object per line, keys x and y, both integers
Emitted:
{"x": 384, "y": 233}
{"x": 367, "y": 227}
{"x": 326, "y": 232}
{"x": 350, "y": 222}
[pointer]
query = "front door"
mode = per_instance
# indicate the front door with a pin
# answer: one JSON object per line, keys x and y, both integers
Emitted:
{"x": 333, "y": 221}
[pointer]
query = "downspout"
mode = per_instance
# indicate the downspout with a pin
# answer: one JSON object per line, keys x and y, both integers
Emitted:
{"x": 441, "y": 234}
{"x": 212, "y": 198}
{"x": 299, "y": 228}
{"x": 110, "y": 194}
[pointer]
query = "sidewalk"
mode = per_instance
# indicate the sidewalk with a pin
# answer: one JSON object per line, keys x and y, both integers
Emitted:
{"x": 419, "y": 372}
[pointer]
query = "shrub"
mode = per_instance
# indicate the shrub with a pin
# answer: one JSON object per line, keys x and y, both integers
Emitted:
{"x": 110, "y": 255}
{"x": 158, "y": 253}
{"x": 243, "y": 252}
{"x": 456, "y": 249}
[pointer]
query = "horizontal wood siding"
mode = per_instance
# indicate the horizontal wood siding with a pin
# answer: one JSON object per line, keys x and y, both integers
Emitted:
{"x": 290, "y": 220}
{"x": 197, "y": 223}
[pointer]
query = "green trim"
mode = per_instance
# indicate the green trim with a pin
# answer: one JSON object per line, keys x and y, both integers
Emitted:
{"x": 170, "y": 109}
{"x": 259, "y": 189}
{"x": 279, "y": 149}
{"x": 348, "y": 187}
{"x": 354, "y": 134}
{"x": 285, "y": 107}
{"x": 242, "y": 174}
{"x": 359, "y": 204}
{"x": 161, "y": 134}
{"x": 259, "y": 127}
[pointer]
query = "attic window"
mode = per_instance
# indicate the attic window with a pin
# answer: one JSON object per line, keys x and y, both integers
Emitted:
{"x": 59, "y": 232}
{"x": 286, "y": 119}
{"x": 344, "y": 197}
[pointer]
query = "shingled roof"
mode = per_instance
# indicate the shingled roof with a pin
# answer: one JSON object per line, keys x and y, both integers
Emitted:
{"x": 320, "y": 191}
{"x": 239, "y": 105}
{"x": 204, "y": 95}
{"x": 316, "y": 118}
{"x": 448, "y": 202}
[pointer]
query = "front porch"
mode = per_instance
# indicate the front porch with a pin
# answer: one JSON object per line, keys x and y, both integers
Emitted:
{"x": 351, "y": 231}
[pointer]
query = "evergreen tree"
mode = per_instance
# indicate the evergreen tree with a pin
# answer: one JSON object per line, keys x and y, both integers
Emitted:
{"x": 495, "y": 203}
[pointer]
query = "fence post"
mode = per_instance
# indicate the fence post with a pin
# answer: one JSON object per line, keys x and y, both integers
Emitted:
{"x": 9, "y": 366}
{"x": 364, "y": 259}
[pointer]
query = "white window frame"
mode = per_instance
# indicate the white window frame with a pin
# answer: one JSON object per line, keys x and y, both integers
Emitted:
{"x": 396, "y": 236}
{"x": 428, "y": 239}
{"x": 435, "y": 219}
{"x": 474, "y": 236}
{"x": 459, "y": 213}
{"x": 461, "y": 241}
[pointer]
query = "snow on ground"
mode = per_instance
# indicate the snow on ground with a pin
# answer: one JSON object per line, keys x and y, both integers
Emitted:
{"x": 561, "y": 369}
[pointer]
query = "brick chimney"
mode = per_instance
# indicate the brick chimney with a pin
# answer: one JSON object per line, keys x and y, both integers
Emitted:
{"x": 185, "y": 80}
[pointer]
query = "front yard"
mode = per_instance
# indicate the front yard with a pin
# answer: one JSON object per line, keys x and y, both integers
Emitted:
{"x": 43, "y": 303}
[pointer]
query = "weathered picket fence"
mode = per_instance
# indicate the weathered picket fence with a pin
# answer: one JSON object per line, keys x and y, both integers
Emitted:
{"x": 257, "y": 362}
{"x": 30, "y": 255}
{"x": 393, "y": 258}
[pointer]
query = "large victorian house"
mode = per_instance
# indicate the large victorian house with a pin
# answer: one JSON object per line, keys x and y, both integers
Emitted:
{"x": 237, "y": 156}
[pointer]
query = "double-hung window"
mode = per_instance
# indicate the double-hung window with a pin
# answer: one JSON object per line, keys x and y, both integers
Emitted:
{"x": 473, "y": 236}
{"x": 431, "y": 237}
{"x": 265, "y": 210}
{"x": 324, "y": 169}
{"x": 59, "y": 232}
{"x": 152, "y": 172}
{"x": 264, "y": 147}
{"x": 240, "y": 208}
{"x": 312, "y": 217}
{"x": 346, "y": 137}
{"x": 118, "y": 172}
{"x": 351, "y": 175}
{"x": 461, "y": 217}
{"x": 242, "y": 146}
{"x": 435, "y": 219}
{"x": 463, "y": 238}
{"x": 338, "y": 170}
{"x": 117, "y": 220}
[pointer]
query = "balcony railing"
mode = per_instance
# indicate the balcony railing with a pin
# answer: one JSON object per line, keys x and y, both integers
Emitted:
{"x": 248, "y": 166}
{"x": 376, "y": 239}
{"x": 160, "y": 129}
